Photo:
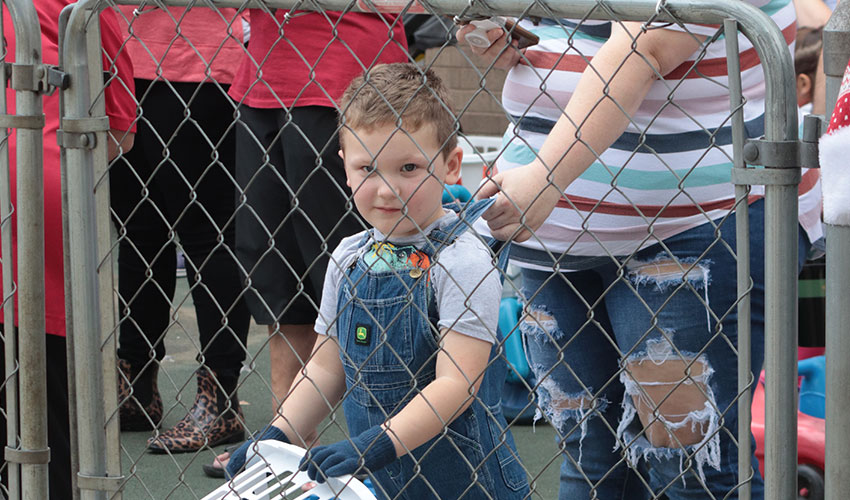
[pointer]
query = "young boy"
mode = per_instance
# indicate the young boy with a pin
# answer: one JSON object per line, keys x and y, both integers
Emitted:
{"x": 407, "y": 324}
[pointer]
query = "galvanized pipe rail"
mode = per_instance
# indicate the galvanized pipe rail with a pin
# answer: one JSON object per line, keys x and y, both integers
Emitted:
{"x": 87, "y": 213}
{"x": 836, "y": 52}
{"x": 33, "y": 454}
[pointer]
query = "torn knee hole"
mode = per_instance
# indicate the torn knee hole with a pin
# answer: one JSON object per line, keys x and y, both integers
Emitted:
{"x": 581, "y": 403}
{"x": 668, "y": 271}
{"x": 540, "y": 322}
{"x": 658, "y": 268}
{"x": 672, "y": 399}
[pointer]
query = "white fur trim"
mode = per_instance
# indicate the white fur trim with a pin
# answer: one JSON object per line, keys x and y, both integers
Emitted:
{"x": 835, "y": 174}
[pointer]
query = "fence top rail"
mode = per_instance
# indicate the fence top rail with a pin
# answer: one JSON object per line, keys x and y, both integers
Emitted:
{"x": 27, "y": 31}
{"x": 753, "y": 23}
{"x": 694, "y": 11}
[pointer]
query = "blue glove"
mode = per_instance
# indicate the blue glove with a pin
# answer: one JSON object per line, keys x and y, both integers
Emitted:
{"x": 372, "y": 449}
{"x": 239, "y": 456}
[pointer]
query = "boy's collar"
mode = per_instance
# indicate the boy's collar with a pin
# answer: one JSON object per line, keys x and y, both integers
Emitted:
{"x": 419, "y": 236}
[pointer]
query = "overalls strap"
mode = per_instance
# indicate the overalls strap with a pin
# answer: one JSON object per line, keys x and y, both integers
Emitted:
{"x": 467, "y": 215}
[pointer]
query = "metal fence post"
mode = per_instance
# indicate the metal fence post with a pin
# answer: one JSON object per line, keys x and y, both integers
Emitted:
{"x": 30, "y": 218}
{"x": 84, "y": 169}
{"x": 742, "y": 228}
{"x": 836, "y": 51}
{"x": 9, "y": 336}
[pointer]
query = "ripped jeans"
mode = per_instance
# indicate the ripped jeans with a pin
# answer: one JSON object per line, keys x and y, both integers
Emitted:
{"x": 636, "y": 370}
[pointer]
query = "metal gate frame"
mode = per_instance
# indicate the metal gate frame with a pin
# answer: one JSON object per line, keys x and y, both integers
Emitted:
{"x": 26, "y": 451}
{"x": 91, "y": 287}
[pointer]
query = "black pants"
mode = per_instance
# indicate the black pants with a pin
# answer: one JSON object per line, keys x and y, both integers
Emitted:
{"x": 58, "y": 433}
{"x": 294, "y": 208}
{"x": 177, "y": 182}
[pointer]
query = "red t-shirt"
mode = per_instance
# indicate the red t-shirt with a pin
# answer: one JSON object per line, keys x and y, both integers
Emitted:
{"x": 121, "y": 109}
{"x": 183, "y": 46}
{"x": 304, "y": 63}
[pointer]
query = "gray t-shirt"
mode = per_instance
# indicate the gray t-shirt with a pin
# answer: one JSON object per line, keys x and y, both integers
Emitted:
{"x": 465, "y": 280}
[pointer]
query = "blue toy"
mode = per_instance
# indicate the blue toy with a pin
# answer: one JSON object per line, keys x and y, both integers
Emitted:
{"x": 518, "y": 402}
{"x": 813, "y": 386}
{"x": 454, "y": 192}
{"x": 509, "y": 311}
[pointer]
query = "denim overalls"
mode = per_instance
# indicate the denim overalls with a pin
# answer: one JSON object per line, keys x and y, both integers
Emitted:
{"x": 389, "y": 352}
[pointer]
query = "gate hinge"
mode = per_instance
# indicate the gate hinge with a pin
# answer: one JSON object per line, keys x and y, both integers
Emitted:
{"x": 788, "y": 154}
{"x": 81, "y": 133}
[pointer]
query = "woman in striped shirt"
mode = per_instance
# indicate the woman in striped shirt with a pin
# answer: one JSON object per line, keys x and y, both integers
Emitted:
{"x": 615, "y": 181}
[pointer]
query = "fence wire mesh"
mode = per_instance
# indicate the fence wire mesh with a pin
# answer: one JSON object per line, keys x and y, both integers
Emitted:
{"x": 329, "y": 293}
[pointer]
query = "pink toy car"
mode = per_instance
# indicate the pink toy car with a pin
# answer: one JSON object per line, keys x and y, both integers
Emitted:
{"x": 811, "y": 443}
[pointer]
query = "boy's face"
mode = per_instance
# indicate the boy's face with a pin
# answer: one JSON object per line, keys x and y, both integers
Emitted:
{"x": 397, "y": 178}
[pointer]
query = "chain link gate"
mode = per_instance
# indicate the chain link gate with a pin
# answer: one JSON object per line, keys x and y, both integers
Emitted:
{"x": 100, "y": 310}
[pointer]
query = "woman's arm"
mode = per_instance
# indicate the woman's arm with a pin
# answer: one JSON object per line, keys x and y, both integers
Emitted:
{"x": 115, "y": 146}
{"x": 609, "y": 91}
{"x": 811, "y": 13}
{"x": 460, "y": 368}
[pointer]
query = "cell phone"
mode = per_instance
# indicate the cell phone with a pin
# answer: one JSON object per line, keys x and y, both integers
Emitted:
{"x": 521, "y": 35}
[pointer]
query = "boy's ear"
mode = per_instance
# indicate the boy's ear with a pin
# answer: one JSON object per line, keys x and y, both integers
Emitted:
{"x": 804, "y": 89}
{"x": 342, "y": 155}
{"x": 453, "y": 161}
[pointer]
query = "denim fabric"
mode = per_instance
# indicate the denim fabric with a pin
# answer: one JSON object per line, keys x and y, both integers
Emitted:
{"x": 475, "y": 457}
{"x": 597, "y": 320}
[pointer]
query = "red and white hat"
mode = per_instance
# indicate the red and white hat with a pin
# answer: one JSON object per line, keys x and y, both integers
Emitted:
{"x": 835, "y": 159}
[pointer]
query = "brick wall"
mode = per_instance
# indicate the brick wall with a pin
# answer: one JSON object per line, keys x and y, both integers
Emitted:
{"x": 478, "y": 101}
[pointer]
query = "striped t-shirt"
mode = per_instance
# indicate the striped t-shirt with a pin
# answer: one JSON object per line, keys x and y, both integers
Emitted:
{"x": 670, "y": 171}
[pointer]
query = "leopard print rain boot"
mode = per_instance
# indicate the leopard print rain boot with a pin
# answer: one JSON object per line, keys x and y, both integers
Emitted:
{"x": 212, "y": 420}
{"x": 138, "y": 396}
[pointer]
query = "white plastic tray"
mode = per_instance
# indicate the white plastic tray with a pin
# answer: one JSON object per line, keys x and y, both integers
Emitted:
{"x": 272, "y": 474}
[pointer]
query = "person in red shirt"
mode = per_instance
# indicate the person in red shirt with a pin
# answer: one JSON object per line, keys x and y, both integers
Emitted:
{"x": 121, "y": 109}
{"x": 292, "y": 207}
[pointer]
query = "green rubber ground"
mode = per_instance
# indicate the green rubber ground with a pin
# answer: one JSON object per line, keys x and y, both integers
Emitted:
{"x": 180, "y": 476}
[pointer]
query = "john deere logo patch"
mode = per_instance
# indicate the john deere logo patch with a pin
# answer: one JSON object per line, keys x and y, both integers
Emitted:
{"x": 362, "y": 335}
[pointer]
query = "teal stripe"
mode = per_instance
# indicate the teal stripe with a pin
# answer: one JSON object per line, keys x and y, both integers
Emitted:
{"x": 517, "y": 153}
{"x": 703, "y": 175}
{"x": 563, "y": 33}
{"x": 707, "y": 175}
{"x": 775, "y": 6}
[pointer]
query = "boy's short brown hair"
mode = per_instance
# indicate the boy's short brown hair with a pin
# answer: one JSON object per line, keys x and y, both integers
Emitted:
{"x": 807, "y": 51}
{"x": 402, "y": 94}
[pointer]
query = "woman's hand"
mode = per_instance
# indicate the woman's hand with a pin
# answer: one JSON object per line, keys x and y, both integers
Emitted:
{"x": 526, "y": 198}
{"x": 504, "y": 54}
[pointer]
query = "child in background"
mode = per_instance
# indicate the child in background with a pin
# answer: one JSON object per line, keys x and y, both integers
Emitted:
{"x": 811, "y": 92}
{"x": 408, "y": 318}
{"x": 807, "y": 52}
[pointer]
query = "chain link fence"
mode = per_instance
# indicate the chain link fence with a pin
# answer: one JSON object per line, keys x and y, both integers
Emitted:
{"x": 630, "y": 327}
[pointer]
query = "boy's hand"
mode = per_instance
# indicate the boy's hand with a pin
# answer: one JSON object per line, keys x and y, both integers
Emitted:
{"x": 239, "y": 456}
{"x": 372, "y": 449}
